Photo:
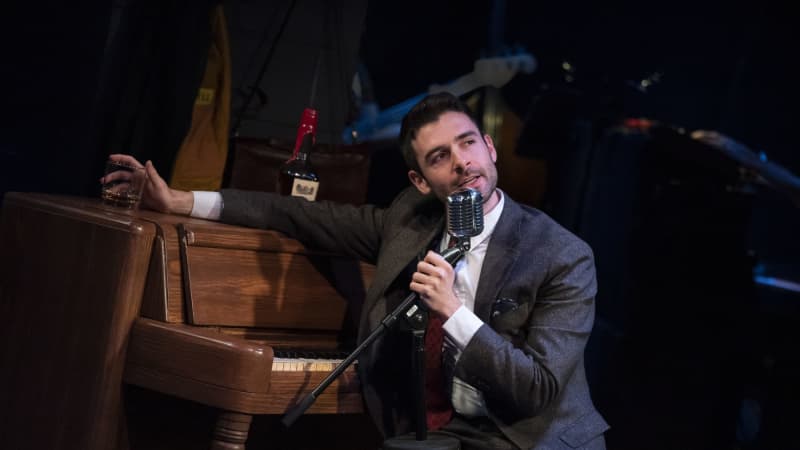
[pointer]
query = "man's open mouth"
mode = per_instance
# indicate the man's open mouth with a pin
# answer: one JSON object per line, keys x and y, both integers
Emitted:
{"x": 468, "y": 180}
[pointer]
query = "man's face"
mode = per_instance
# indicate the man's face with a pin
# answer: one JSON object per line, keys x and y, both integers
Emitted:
{"x": 452, "y": 156}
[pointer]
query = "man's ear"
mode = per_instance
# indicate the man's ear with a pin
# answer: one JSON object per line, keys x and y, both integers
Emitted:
{"x": 490, "y": 146}
{"x": 419, "y": 182}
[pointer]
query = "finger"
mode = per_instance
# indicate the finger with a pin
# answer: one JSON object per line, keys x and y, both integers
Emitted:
{"x": 437, "y": 268}
{"x": 435, "y": 259}
{"x": 422, "y": 289}
{"x": 127, "y": 159}
{"x": 117, "y": 175}
{"x": 153, "y": 176}
{"x": 152, "y": 173}
{"x": 425, "y": 267}
{"x": 421, "y": 278}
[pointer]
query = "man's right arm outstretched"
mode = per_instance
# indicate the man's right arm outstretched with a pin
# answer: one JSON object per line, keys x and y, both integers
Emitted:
{"x": 337, "y": 228}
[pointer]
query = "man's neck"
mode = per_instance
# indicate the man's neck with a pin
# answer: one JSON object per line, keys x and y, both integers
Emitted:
{"x": 491, "y": 202}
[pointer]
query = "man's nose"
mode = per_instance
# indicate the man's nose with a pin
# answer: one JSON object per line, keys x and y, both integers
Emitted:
{"x": 460, "y": 162}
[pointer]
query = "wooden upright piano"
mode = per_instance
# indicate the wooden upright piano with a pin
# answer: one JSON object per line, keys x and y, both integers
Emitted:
{"x": 112, "y": 315}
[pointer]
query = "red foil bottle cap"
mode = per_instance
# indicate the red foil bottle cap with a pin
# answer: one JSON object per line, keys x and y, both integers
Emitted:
{"x": 308, "y": 124}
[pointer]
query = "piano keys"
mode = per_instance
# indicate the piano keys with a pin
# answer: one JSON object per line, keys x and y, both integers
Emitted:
{"x": 307, "y": 360}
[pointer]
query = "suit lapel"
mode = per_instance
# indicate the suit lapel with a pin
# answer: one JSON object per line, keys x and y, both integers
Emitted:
{"x": 410, "y": 240}
{"x": 397, "y": 252}
{"x": 501, "y": 255}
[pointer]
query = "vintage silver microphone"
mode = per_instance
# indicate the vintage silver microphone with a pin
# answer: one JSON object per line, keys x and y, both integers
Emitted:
{"x": 464, "y": 220}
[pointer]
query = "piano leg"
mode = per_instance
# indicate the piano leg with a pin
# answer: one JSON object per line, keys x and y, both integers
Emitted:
{"x": 230, "y": 432}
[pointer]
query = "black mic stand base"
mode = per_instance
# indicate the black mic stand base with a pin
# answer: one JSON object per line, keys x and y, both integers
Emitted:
{"x": 410, "y": 442}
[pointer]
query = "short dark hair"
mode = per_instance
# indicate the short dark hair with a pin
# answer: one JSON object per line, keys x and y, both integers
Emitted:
{"x": 428, "y": 111}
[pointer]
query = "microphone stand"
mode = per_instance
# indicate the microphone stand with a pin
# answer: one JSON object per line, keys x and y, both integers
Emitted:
{"x": 417, "y": 317}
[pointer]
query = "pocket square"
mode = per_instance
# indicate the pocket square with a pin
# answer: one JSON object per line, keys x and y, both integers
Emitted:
{"x": 503, "y": 305}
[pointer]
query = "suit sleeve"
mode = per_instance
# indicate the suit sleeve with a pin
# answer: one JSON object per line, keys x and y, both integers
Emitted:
{"x": 521, "y": 373}
{"x": 337, "y": 228}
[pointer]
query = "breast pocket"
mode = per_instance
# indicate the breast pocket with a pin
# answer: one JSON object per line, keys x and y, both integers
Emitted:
{"x": 508, "y": 318}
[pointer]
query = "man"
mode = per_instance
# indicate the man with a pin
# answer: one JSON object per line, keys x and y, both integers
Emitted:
{"x": 517, "y": 311}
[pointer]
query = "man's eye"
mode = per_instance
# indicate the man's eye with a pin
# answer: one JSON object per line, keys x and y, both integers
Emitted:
{"x": 469, "y": 141}
{"x": 438, "y": 157}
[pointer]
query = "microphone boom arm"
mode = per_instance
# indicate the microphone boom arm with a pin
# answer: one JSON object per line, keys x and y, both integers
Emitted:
{"x": 406, "y": 307}
{"x": 464, "y": 220}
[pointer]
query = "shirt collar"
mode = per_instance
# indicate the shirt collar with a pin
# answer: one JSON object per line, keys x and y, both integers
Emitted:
{"x": 489, "y": 222}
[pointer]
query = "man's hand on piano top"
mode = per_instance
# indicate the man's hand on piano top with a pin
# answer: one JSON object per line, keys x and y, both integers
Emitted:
{"x": 157, "y": 195}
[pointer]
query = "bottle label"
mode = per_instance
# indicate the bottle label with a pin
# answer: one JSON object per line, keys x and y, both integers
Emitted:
{"x": 305, "y": 188}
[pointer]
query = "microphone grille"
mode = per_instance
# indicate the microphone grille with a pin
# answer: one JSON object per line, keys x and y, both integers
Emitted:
{"x": 465, "y": 213}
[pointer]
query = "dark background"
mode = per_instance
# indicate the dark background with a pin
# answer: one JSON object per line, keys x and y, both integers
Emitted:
{"x": 688, "y": 351}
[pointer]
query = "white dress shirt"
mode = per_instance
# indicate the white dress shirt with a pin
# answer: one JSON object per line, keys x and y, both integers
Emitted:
{"x": 207, "y": 205}
{"x": 463, "y": 324}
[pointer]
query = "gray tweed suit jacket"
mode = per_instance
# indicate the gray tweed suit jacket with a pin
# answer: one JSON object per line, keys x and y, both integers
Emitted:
{"x": 535, "y": 296}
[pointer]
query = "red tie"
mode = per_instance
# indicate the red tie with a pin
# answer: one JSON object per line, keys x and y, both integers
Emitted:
{"x": 439, "y": 408}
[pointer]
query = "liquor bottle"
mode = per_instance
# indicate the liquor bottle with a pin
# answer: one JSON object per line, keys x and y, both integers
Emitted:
{"x": 296, "y": 176}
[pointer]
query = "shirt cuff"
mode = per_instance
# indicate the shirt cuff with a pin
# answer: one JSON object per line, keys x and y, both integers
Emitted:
{"x": 461, "y": 326}
{"x": 207, "y": 205}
